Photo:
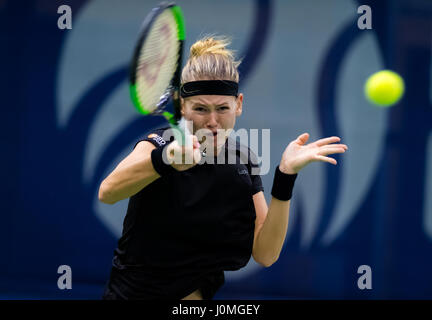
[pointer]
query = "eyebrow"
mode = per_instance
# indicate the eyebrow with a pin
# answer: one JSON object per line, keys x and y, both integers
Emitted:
{"x": 199, "y": 104}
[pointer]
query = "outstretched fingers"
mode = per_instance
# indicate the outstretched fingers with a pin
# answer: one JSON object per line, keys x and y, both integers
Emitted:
{"x": 324, "y": 141}
{"x": 331, "y": 149}
{"x": 303, "y": 138}
{"x": 326, "y": 159}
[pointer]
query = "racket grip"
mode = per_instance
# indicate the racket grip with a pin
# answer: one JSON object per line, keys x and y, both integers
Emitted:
{"x": 182, "y": 132}
{"x": 179, "y": 134}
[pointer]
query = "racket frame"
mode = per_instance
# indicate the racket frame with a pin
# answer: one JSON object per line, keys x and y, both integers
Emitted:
{"x": 172, "y": 91}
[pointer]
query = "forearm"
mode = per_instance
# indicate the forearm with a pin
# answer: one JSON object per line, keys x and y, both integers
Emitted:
{"x": 271, "y": 237}
{"x": 127, "y": 180}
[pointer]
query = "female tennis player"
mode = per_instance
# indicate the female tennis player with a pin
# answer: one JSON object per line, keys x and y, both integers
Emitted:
{"x": 188, "y": 223}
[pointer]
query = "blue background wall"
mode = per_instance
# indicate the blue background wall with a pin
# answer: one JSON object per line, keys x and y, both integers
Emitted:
{"x": 67, "y": 120}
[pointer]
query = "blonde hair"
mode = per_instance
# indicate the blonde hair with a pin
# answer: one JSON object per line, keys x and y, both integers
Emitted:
{"x": 211, "y": 60}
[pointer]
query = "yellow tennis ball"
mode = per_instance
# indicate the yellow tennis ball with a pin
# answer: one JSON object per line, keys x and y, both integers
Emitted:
{"x": 384, "y": 88}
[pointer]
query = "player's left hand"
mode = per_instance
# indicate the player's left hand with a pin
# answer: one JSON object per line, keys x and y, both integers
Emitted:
{"x": 298, "y": 154}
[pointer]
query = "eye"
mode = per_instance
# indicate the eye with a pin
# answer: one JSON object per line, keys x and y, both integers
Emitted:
{"x": 200, "y": 109}
{"x": 223, "y": 108}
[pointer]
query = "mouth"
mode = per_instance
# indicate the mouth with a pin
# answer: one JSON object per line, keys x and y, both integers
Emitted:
{"x": 211, "y": 134}
{"x": 208, "y": 137}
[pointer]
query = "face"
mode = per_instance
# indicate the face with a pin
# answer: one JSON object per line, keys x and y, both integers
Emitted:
{"x": 213, "y": 113}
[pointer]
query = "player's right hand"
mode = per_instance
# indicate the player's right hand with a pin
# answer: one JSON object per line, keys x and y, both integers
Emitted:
{"x": 184, "y": 157}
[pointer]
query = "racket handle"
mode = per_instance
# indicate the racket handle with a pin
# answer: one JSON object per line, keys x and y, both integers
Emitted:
{"x": 179, "y": 134}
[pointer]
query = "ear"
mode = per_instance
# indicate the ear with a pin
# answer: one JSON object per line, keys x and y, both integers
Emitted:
{"x": 239, "y": 104}
{"x": 182, "y": 106}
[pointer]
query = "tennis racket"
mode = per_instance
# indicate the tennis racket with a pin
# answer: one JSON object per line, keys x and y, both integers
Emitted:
{"x": 156, "y": 65}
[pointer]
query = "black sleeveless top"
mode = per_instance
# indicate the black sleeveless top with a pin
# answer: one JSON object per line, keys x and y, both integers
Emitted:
{"x": 183, "y": 230}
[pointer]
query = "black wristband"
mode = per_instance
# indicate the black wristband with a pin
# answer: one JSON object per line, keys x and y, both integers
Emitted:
{"x": 162, "y": 168}
{"x": 283, "y": 185}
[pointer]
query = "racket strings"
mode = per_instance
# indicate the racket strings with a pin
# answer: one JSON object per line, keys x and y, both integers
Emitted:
{"x": 157, "y": 60}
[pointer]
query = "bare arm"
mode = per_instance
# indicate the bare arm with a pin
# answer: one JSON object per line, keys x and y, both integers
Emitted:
{"x": 131, "y": 175}
{"x": 271, "y": 224}
{"x": 136, "y": 171}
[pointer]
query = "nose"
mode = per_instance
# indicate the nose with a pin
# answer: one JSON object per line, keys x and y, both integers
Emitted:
{"x": 212, "y": 121}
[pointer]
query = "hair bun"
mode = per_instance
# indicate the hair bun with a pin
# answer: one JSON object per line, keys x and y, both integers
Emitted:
{"x": 211, "y": 45}
{"x": 211, "y": 59}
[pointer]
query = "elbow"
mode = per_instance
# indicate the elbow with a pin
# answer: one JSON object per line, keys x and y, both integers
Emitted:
{"x": 265, "y": 262}
{"x": 104, "y": 194}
